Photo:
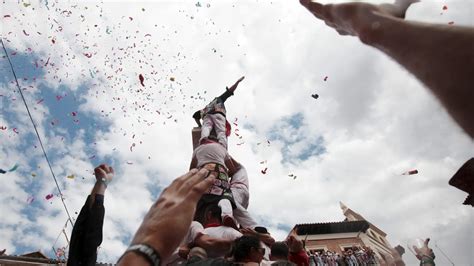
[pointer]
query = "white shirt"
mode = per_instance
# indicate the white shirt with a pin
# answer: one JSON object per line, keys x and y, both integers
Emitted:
{"x": 210, "y": 153}
{"x": 223, "y": 232}
{"x": 240, "y": 179}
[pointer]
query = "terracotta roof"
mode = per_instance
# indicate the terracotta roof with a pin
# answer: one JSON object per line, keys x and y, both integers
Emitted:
{"x": 464, "y": 180}
{"x": 331, "y": 228}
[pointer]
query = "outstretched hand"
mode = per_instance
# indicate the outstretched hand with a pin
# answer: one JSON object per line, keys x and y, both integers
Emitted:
{"x": 424, "y": 251}
{"x": 104, "y": 171}
{"x": 168, "y": 220}
{"x": 233, "y": 87}
{"x": 294, "y": 244}
{"x": 356, "y": 19}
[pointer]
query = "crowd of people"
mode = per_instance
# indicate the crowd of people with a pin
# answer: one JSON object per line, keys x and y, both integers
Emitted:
{"x": 201, "y": 218}
{"x": 353, "y": 256}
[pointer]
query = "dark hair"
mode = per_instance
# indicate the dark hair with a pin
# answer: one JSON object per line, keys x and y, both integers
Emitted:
{"x": 214, "y": 210}
{"x": 261, "y": 230}
{"x": 279, "y": 250}
{"x": 243, "y": 245}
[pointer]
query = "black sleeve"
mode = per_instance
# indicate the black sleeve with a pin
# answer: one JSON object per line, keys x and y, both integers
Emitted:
{"x": 197, "y": 115}
{"x": 87, "y": 233}
{"x": 225, "y": 95}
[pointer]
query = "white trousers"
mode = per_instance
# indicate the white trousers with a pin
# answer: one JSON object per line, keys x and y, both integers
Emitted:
{"x": 218, "y": 122}
{"x": 239, "y": 214}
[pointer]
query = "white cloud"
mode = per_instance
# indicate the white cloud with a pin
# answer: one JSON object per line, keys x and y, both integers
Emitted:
{"x": 376, "y": 120}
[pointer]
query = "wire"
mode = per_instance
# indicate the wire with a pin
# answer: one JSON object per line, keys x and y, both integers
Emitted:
{"x": 37, "y": 134}
{"x": 444, "y": 254}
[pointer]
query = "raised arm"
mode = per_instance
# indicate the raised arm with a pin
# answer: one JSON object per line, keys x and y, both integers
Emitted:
{"x": 232, "y": 165}
{"x": 86, "y": 234}
{"x": 440, "y": 56}
{"x": 169, "y": 218}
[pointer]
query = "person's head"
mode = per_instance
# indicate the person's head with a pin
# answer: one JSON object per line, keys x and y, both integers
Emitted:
{"x": 248, "y": 249}
{"x": 197, "y": 252}
{"x": 213, "y": 214}
{"x": 279, "y": 251}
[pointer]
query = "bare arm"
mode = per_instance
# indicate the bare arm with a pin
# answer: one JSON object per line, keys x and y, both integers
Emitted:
{"x": 215, "y": 247}
{"x": 232, "y": 165}
{"x": 102, "y": 172}
{"x": 265, "y": 238}
{"x": 169, "y": 218}
{"x": 440, "y": 56}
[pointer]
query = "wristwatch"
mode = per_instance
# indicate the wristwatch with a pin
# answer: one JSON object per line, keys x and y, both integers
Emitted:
{"x": 147, "y": 252}
{"x": 105, "y": 181}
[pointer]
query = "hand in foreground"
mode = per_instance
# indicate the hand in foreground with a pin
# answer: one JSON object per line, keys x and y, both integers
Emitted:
{"x": 294, "y": 244}
{"x": 424, "y": 251}
{"x": 357, "y": 19}
{"x": 104, "y": 171}
{"x": 233, "y": 87}
{"x": 168, "y": 220}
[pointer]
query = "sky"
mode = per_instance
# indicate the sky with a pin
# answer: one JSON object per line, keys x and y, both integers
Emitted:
{"x": 78, "y": 66}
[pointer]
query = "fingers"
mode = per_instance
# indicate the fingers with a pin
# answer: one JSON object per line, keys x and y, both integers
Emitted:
{"x": 242, "y": 78}
{"x": 196, "y": 177}
{"x": 416, "y": 249}
{"x": 201, "y": 187}
{"x": 427, "y": 241}
{"x": 315, "y": 8}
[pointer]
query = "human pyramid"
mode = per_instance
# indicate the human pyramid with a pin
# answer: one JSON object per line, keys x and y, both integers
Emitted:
{"x": 223, "y": 207}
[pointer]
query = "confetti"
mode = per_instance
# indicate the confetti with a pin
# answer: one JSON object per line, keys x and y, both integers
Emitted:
{"x": 315, "y": 96}
{"x": 88, "y": 55}
{"x": 445, "y": 7}
{"x": 39, "y": 101}
{"x": 172, "y": 78}
{"x": 25, "y": 33}
{"x": 33, "y": 174}
{"x": 70, "y": 176}
{"x": 451, "y": 23}
{"x": 264, "y": 171}
{"x": 30, "y": 199}
{"x": 13, "y": 168}
{"x": 74, "y": 113}
{"x": 141, "y": 78}
{"x": 6, "y": 16}
{"x": 16, "y": 130}
{"x": 3, "y": 127}
{"x": 49, "y": 196}
{"x": 198, "y": 4}
{"x": 411, "y": 172}
{"x": 325, "y": 78}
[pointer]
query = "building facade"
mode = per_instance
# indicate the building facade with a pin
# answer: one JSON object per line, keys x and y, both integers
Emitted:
{"x": 354, "y": 233}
